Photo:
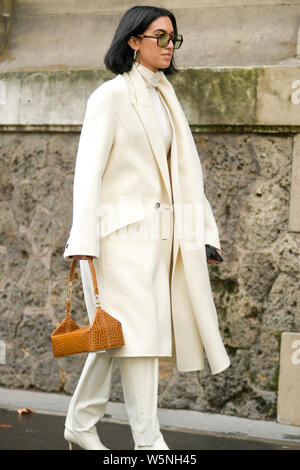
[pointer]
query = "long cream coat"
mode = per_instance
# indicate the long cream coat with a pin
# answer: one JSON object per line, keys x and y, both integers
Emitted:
{"x": 121, "y": 175}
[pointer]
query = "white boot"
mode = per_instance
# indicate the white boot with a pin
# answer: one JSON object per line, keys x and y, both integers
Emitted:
{"x": 158, "y": 444}
{"x": 87, "y": 440}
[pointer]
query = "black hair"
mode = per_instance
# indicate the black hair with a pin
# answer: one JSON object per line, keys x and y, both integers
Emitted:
{"x": 119, "y": 57}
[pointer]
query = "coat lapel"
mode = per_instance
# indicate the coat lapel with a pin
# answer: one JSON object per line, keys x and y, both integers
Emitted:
{"x": 142, "y": 103}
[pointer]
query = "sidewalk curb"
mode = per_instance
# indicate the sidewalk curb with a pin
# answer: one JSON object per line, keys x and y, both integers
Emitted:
{"x": 181, "y": 420}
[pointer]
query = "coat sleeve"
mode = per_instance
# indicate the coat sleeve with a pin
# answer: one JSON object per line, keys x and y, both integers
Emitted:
{"x": 96, "y": 140}
{"x": 211, "y": 233}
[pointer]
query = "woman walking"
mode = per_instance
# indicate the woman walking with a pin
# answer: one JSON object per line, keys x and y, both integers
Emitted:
{"x": 137, "y": 177}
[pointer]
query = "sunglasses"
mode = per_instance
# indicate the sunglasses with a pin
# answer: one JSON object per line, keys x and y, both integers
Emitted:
{"x": 163, "y": 39}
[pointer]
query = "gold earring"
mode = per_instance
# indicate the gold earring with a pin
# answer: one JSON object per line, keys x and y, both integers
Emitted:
{"x": 135, "y": 55}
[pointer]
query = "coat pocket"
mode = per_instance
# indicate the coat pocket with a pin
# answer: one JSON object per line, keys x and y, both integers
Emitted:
{"x": 114, "y": 216}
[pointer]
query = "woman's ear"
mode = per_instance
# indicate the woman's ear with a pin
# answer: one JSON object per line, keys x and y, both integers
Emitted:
{"x": 132, "y": 42}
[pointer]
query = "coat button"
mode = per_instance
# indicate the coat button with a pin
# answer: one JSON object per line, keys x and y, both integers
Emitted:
{"x": 157, "y": 205}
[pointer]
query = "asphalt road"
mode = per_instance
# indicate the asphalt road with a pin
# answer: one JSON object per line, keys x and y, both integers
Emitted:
{"x": 45, "y": 432}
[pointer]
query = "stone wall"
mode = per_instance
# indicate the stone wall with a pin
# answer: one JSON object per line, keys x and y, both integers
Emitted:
{"x": 246, "y": 126}
{"x": 217, "y": 33}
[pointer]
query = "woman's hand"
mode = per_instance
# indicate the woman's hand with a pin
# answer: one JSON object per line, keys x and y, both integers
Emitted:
{"x": 213, "y": 261}
{"x": 78, "y": 257}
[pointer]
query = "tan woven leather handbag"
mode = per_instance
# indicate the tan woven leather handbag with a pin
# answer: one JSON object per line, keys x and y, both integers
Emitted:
{"x": 104, "y": 333}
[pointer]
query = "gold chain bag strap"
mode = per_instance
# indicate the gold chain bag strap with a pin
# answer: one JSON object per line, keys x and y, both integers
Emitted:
{"x": 104, "y": 333}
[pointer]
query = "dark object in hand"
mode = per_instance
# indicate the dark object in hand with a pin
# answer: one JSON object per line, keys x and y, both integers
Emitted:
{"x": 211, "y": 253}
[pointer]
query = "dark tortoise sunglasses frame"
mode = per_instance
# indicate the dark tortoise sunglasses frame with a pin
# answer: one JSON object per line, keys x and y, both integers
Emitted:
{"x": 163, "y": 39}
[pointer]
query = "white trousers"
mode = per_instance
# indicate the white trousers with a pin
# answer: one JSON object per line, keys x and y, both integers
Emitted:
{"x": 139, "y": 377}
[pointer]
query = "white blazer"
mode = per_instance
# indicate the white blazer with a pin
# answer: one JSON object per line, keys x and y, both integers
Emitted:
{"x": 121, "y": 179}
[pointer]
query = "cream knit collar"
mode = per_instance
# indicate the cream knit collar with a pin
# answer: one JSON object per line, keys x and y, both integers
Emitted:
{"x": 151, "y": 78}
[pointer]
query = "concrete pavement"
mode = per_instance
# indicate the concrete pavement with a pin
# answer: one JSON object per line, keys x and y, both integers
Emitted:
{"x": 182, "y": 429}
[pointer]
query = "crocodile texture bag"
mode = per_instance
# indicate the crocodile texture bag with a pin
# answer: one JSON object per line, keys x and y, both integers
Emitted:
{"x": 104, "y": 333}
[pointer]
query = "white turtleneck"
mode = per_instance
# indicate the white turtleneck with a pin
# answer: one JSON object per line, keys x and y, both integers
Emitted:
{"x": 151, "y": 80}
